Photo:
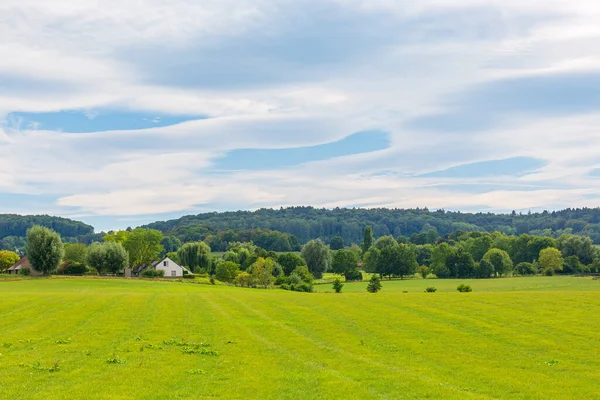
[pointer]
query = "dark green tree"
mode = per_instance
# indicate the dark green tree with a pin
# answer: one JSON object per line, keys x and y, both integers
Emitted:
{"x": 336, "y": 243}
{"x": 44, "y": 249}
{"x": 367, "y": 239}
{"x": 374, "y": 284}
{"x": 289, "y": 262}
{"x": 317, "y": 256}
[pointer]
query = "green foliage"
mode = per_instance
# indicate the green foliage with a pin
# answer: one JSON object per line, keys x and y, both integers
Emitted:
{"x": 371, "y": 259}
{"x": 439, "y": 260}
{"x": 290, "y": 261}
{"x": 170, "y": 245}
{"x": 245, "y": 279}
{"x": 195, "y": 255}
{"x": 304, "y": 274}
{"x": 500, "y": 260}
{"x": 262, "y": 271}
{"x": 143, "y": 246}
{"x": 336, "y": 243}
{"x": 579, "y": 246}
{"x": 551, "y": 261}
{"x": 7, "y": 259}
{"x": 397, "y": 260}
{"x": 572, "y": 265}
{"x": 385, "y": 241}
{"x": 525, "y": 268}
{"x": 343, "y": 261}
{"x": 374, "y": 284}
{"x": 26, "y": 271}
{"x": 464, "y": 288}
{"x": 460, "y": 264}
{"x": 317, "y": 256}
{"x": 153, "y": 273}
{"x": 72, "y": 268}
{"x": 423, "y": 271}
{"x": 108, "y": 257}
{"x": 75, "y": 252}
{"x": 338, "y": 285}
{"x": 430, "y": 289}
{"x": 227, "y": 271}
{"x": 353, "y": 275}
{"x": 44, "y": 249}
{"x": 367, "y": 242}
{"x": 484, "y": 269}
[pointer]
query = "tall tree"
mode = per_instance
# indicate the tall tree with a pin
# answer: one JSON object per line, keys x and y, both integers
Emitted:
{"x": 7, "y": 259}
{"x": 500, "y": 260}
{"x": 195, "y": 255}
{"x": 289, "y": 262}
{"x": 551, "y": 260}
{"x": 44, "y": 249}
{"x": 461, "y": 264}
{"x": 439, "y": 260}
{"x": 109, "y": 256}
{"x": 143, "y": 246}
{"x": 336, "y": 243}
{"x": 75, "y": 252}
{"x": 317, "y": 256}
{"x": 343, "y": 261}
{"x": 367, "y": 239}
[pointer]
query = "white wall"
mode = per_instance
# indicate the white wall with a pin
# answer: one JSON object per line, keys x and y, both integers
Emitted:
{"x": 171, "y": 267}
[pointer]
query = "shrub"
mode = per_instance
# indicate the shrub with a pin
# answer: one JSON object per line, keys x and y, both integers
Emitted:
{"x": 281, "y": 280}
{"x": 464, "y": 288}
{"x": 212, "y": 280}
{"x": 25, "y": 271}
{"x": 353, "y": 275}
{"x": 153, "y": 273}
{"x": 338, "y": 285}
{"x": 548, "y": 272}
{"x": 430, "y": 289}
{"x": 303, "y": 287}
{"x": 525, "y": 268}
{"x": 304, "y": 274}
{"x": 285, "y": 286}
{"x": 374, "y": 285}
{"x": 423, "y": 271}
{"x": 244, "y": 279}
{"x": 91, "y": 271}
{"x": 189, "y": 276}
{"x": 226, "y": 271}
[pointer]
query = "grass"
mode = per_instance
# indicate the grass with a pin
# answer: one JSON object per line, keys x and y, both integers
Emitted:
{"x": 524, "y": 338}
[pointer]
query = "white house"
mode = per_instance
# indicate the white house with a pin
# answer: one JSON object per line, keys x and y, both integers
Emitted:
{"x": 171, "y": 268}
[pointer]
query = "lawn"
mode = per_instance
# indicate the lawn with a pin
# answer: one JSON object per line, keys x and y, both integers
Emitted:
{"x": 524, "y": 338}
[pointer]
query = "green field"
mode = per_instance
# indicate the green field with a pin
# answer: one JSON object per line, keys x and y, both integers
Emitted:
{"x": 522, "y": 338}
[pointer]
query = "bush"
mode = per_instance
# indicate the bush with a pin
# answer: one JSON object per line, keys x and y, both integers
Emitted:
{"x": 423, "y": 271}
{"x": 525, "y": 268}
{"x": 226, "y": 271}
{"x": 244, "y": 279}
{"x": 548, "y": 272}
{"x": 25, "y": 271}
{"x": 153, "y": 273}
{"x": 464, "y": 288}
{"x": 430, "y": 289}
{"x": 285, "y": 286}
{"x": 374, "y": 285}
{"x": 91, "y": 271}
{"x": 304, "y": 274}
{"x": 303, "y": 287}
{"x": 353, "y": 275}
{"x": 189, "y": 276}
{"x": 281, "y": 280}
{"x": 72, "y": 268}
{"x": 338, "y": 285}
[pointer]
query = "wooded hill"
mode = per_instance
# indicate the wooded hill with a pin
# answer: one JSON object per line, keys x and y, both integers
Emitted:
{"x": 307, "y": 223}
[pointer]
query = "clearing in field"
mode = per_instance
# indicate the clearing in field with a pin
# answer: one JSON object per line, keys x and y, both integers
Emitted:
{"x": 524, "y": 338}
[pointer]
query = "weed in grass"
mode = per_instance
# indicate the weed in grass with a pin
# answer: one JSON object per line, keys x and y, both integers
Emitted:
{"x": 115, "y": 359}
{"x": 37, "y": 366}
{"x": 63, "y": 341}
{"x": 551, "y": 363}
{"x": 201, "y": 351}
{"x": 7, "y": 345}
{"x": 196, "y": 372}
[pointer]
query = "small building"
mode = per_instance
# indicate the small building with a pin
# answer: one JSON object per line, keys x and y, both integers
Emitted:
{"x": 171, "y": 268}
{"x": 23, "y": 263}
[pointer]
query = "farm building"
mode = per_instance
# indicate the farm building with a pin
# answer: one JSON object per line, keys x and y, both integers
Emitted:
{"x": 171, "y": 268}
{"x": 22, "y": 263}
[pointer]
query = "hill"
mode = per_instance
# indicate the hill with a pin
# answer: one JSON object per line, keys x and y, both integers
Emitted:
{"x": 13, "y": 229}
{"x": 307, "y": 223}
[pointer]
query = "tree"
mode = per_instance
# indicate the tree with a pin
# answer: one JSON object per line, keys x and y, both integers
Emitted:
{"x": 374, "y": 284}
{"x": 572, "y": 265}
{"x": 227, "y": 271}
{"x": 143, "y": 246}
{"x": 551, "y": 260}
{"x": 170, "y": 244}
{"x": 338, "y": 285}
{"x": 195, "y": 255}
{"x": 582, "y": 247}
{"x": 7, "y": 259}
{"x": 317, "y": 256}
{"x": 423, "y": 271}
{"x": 336, "y": 243}
{"x": 439, "y": 259}
{"x": 525, "y": 268}
{"x": 500, "y": 260}
{"x": 289, "y": 262}
{"x": 303, "y": 274}
{"x": 343, "y": 261}
{"x": 484, "y": 269}
{"x": 75, "y": 252}
{"x": 461, "y": 264}
{"x": 44, "y": 249}
{"x": 118, "y": 236}
{"x": 262, "y": 271}
{"x": 367, "y": 239}
{"x": 107, "y": 257}
{"x": 406, "y": 264}
{"x": 385, "y": 241}
{"x": 370, "y": 260}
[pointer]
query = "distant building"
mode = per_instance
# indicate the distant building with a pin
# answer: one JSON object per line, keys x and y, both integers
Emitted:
{"x": 23, "y": 263}
{"x": 171, "y": 268}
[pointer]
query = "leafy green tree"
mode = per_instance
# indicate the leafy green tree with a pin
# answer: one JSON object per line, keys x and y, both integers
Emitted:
{"x": 143, "y": 246}
{"x": 385, "y": 241}
{"x": 374, "y": 284}
{"x": 195, "y": 255}
{"x": 338, "y": 285}
{"x": 44, "y": 249}
{"x": 227, "y": 271}
{"x": 439, "y": 260}
{"x": 118, "y": 236}
{"x": 525, "y": 268}
{"x": 303, "y": 274}
{"x": 407, "y": 261}
{"x": 170, "y": 244}
{"x": 500, "y": 260}
{"x": 423, "y": 271}
{"x": 317, "y": 256}
{"x": 595, "y": 265}
{"x": 367, "y": 239}
{"x": 484, "y": 269}
{"x": 107, "y": 257}
{"x": 572, "y": 265}
{"x": 371, "y": 259}
{"x": 478, "y": 246}
{"x": 75, "y": 252}
{"x": 582, "y": 247}
{"x": 7, "y": 259}
{"x": 538, "y": 244}
{"x": 461, "y": 264}
{"x": 424, "y": 253}
{"x": 289, "y": 262}
{"x": 551, "y": 260}
{"x": 336, "y": 243}
{"x": 343, "y": 261}
{"x": 262, "y": 271}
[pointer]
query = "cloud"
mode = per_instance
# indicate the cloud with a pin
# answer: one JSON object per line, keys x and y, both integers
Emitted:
{"x": 124, "y": 113}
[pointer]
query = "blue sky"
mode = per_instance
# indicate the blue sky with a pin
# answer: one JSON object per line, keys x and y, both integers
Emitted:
{"x": 122, "y": 115}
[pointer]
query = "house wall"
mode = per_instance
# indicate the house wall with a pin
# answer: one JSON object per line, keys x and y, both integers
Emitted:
{"x": 171, "y": 267}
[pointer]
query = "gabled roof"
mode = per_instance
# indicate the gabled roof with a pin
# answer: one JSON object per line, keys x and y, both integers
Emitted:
{"x": 22, "y": 263}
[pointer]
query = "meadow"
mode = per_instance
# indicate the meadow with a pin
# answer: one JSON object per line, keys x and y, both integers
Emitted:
{"x": 85, "y": 338}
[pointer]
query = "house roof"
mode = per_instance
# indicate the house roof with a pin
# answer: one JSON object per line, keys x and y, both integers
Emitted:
{"x": 22, "y": 263}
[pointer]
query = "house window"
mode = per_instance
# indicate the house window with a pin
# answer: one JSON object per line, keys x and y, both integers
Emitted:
{"x": 165, "y": 263}
{"x": 173, "y": 273}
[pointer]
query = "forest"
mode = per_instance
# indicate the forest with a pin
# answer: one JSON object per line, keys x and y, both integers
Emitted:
{"x": 307, "y": 223}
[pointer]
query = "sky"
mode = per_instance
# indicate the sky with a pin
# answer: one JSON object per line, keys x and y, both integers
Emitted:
{"x": 120, "y": 113}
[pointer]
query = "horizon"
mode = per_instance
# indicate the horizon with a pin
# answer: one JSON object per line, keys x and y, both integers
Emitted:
{"x": 122, "y": 115}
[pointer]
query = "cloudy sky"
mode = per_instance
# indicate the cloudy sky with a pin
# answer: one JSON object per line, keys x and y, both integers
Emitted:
{"x": 142, "y": 110}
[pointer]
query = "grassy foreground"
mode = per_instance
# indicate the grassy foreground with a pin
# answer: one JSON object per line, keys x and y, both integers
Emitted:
{"x": 526, "y": 338}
